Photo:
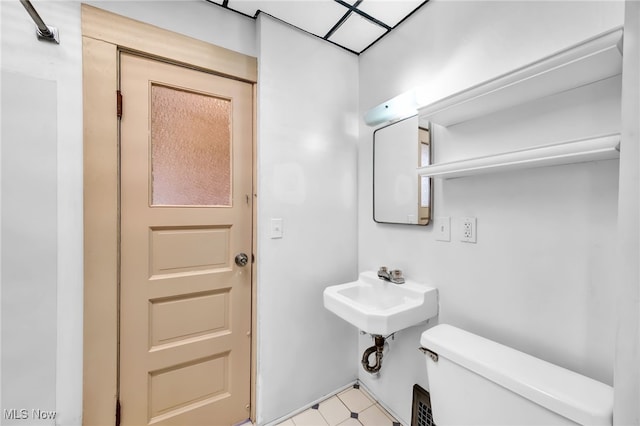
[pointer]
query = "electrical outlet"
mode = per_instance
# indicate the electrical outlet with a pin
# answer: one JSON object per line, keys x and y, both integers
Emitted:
{"x": 469, "y": 230}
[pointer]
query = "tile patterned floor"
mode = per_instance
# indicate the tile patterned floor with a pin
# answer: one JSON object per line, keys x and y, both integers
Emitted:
{"x": 351, "y": 407}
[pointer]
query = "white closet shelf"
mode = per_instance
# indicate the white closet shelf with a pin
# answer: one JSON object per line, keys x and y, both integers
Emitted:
{"x": 593, "y": 60}
{"x": 575, "y": 151}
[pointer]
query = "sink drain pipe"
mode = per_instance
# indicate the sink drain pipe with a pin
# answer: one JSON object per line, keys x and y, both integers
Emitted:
{"x": 377, "y": 348}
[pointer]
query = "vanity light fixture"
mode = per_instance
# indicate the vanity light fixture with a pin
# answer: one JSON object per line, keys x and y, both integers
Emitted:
{"x": 402, "y": 106}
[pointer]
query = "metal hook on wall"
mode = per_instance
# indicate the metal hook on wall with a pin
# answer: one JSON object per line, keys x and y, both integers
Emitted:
{"x": 43, "y": 31}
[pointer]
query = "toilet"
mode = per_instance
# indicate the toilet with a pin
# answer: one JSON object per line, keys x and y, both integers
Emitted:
{"x": 475, "y": 381}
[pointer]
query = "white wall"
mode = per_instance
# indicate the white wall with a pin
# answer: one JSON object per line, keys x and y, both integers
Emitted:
{"x": 307, "y": 138}
{"x": 30, "y": 60}
{"x": 29, "y": 230}
{"x": 540, "y": 276}
{"x": 627, "y": 367}
{"x": 24, "y": 56}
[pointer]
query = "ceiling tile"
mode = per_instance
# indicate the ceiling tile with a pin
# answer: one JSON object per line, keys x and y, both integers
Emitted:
{"x": 389, "y": 12}
{"x": 357, "y": 33}
{"x": 248, "y": 7}
{"x": 314, "y": 16}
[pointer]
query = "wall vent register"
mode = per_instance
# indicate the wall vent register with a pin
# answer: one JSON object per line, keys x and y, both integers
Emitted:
{"x": 421, "y": 414}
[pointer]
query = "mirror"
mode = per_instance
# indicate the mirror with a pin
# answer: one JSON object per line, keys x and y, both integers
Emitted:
{"x": 399, "y": 194}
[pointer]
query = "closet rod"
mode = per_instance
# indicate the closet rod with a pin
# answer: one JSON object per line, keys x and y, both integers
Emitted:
{"x": 43, "y": 31}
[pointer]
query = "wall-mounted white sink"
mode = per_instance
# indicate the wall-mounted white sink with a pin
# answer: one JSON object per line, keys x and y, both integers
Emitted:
{"x": 381, "y": 307}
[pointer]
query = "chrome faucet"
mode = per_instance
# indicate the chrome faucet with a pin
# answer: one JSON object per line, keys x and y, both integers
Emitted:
{"x": 383, "y": 274}
{"x": 394, "y": 276}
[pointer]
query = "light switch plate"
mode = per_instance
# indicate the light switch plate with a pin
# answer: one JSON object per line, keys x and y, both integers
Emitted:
{"x": 442, "y": 226}
{"x": 276, "y": 228}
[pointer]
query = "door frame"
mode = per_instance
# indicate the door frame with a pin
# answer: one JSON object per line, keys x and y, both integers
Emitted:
{"x": 104, "y": 36}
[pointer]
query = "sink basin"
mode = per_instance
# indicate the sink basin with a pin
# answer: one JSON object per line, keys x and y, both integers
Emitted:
{"x": 380, "y": 307}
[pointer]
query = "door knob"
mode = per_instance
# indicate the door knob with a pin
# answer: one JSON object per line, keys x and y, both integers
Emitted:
{"x": 242, "y": 259}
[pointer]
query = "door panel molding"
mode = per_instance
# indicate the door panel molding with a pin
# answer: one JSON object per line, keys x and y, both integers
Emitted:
{"x": 104, "y": 35}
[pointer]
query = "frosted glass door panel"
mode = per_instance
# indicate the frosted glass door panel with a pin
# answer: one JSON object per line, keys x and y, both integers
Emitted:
{"x": 190, "y": 148}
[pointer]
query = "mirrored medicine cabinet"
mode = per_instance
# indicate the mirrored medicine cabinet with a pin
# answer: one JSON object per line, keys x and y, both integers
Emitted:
{"x": 400, "y": 195}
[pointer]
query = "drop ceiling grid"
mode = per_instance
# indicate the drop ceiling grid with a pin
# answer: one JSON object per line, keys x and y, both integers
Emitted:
{"x": 366, "y": 21}
{"x": 357, "y": 33}
{"x": 314, "y": 16}
{"x": 389, "y": 12}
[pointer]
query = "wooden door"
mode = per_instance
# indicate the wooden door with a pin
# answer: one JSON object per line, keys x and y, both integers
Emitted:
{"x": 186, "y": 213}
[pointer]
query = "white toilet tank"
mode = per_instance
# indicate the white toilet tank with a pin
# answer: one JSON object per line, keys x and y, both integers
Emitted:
{"x": 476, "y": 381}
